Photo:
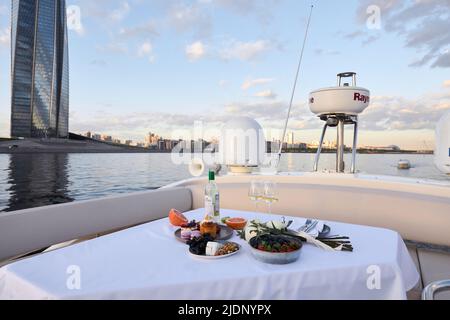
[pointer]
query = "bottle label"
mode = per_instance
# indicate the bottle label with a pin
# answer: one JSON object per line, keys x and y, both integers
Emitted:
{"x": 217, "y": 207}
{"x": 212, "y": 207}
{"x": 209, "y": 207}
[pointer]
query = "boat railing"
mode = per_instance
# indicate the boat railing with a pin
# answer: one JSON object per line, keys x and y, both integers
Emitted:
{"x": 434, "y": 288}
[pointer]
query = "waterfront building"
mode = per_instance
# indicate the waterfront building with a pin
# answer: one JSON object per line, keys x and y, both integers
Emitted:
{"x": 152, "y": 140}
{"x": 39, "y": 69}
{"x": 107, "y": 138}
{"x": 291, "y": 139}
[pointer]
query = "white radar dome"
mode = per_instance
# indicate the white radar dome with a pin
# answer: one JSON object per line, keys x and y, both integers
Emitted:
{"x": 442, "y": 152}
{"x": 343, "y": 99}
{"x": 242, "y": 145}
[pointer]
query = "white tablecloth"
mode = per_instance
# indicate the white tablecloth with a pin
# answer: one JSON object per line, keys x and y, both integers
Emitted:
{"x": 147, "y": 262}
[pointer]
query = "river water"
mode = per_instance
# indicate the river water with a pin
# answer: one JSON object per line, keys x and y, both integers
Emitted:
{"x": 33, "y": 180}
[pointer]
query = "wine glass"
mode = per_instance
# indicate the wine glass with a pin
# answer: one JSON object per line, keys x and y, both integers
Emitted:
{"x": 256, "y": 192}
{"x": 270, "y": 194}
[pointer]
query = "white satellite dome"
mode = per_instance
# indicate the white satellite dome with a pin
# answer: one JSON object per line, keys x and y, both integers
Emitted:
{"x": 242, "y": 145}
{"x": 442, "y": 152}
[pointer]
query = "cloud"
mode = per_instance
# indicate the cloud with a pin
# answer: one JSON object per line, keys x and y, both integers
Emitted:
{"x": 146, "y": 30}
{"x": 262, "y": 9}
{"x": 223, "y": 83}
{"x": 442, "y": 61}
{"x": 105, "y": 12}
{"x": 145, "y": 50}
{"x": 397, "y": 113}
{"x": 244, "y": 51}
{"x": 113, "y": 47}
{"x": 447, "y": 83}
{"x": 120, "y": 13}
{"x": 386, "y": 113}
{"x": 354, "y": 34}
{"x": 363, "y": 36}
{"x": 136, "y": 125}
{"x": 195, "y": 51}
{"x": 228, "y": 49}
{"x": 4, "y": 10}
{"x": 255, "y": 82}
{"x": 268, "y": 94}
{"x": 5, "y": 37}
{"x": 190, "y": 18}
{"x": 422, "y": 24}
{"x": 272, "y": 115}
{"x": 320, "y": 52}
{"x": 197, "y": 16}
{"x": 98, "y": 63}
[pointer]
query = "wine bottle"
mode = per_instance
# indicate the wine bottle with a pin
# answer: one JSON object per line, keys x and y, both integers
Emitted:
{"x": 212, "y": 199}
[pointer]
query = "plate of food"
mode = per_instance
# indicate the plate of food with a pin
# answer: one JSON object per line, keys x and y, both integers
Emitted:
{"x": 196, "y": 229}
{"x": 206, "y": 247}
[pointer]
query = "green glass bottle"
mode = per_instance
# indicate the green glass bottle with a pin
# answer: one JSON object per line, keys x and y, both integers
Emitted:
{"x": 212, "y": 199}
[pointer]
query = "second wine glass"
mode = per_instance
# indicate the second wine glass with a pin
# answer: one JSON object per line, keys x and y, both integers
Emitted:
{"x": 270, "y": 194}
{"x": 256, "y": 192}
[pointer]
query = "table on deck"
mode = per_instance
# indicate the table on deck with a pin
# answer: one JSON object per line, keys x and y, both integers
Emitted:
{"x": 147, "y": 262}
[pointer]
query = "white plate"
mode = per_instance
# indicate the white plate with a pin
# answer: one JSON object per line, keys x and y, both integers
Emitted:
{"x": 217, "y": 257}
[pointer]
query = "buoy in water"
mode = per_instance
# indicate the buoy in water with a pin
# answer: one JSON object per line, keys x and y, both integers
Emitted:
{"x": 404, "y": 165}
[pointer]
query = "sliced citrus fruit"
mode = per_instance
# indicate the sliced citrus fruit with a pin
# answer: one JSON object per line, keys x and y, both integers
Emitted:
{"x": 236, "y": 223}
{"x": 176, "y": 218}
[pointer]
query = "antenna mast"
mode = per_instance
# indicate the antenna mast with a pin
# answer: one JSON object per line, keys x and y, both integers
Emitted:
{"x": 295, "y": 87}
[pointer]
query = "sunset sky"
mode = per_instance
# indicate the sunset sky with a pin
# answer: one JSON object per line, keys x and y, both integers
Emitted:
{"x": 159, "y": 65}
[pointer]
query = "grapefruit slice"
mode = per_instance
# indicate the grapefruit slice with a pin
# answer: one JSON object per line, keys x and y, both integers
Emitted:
{"x": 177, "y": 219}
{"x": 236, "y": 223}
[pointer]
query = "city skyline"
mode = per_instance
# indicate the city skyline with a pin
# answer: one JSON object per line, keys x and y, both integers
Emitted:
{"x": 156, "y": 142}
{"x": 39, "y": 69}
{"x": 164, "y": 65}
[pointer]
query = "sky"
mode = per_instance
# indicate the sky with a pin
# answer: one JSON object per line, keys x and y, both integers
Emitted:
{"x": 160, "y": 65}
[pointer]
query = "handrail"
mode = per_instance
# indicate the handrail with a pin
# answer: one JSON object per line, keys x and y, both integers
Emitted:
{"x": 435, "y": 287}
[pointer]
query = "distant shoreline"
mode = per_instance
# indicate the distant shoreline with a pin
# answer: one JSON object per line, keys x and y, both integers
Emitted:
{"x": 101, "y": 151}
{"x": 32, "y": 146}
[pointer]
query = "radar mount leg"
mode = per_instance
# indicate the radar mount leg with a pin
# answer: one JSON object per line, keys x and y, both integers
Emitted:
{"x": 319, "y": 149}
{"x": 340, "y": 165}
{"x": 355, "y": 145}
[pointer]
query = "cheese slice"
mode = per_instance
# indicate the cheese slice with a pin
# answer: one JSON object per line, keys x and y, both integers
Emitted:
{"x": 212, "y": 248}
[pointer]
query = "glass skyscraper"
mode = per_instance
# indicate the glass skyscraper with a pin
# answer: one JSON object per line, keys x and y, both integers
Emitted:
{"x": 40, "y": 69}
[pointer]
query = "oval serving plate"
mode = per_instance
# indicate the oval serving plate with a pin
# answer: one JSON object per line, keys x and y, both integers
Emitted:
{"x": 217, "y": 257}
{"x": 225, "y": 234}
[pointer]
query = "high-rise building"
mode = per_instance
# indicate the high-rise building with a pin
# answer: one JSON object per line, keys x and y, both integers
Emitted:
{"x": 152, "y": 140}
{"x": 39, "y": 69}
{"x": 291, "y": 138}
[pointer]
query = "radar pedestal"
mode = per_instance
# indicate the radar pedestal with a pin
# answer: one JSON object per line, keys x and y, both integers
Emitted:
{"x": 337, "y": 107}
